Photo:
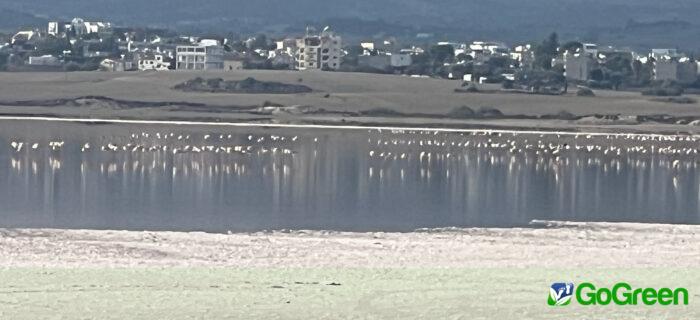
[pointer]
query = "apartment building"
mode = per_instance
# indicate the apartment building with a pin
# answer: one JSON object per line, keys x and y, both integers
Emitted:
{"x": 203, "y": 56}
{"x": 322, "y": 51}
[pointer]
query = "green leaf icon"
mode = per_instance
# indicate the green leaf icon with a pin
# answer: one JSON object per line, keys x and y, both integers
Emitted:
{"x": 556, "y": 300}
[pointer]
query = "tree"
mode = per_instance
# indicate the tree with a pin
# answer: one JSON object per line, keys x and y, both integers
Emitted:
{"x": 597, "y": 74}
{"x": 3, "y": 61}
{"x": 546, "y": 51}
{"x": 260, "y": 42}
{"x": 441, "y": 54}
{"x": 539, "y": 79}
{"x": 237, "y": 46}
{"x": 352, "y": 58}
{"x": 421, "y": 65}
{"x": 52, "y": 46}
{"x": 620, "y": 63}
{"x": 464, "y": 57}
{"x": 498, "y": 62}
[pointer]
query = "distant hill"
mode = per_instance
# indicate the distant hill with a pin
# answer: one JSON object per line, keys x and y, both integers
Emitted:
{"x": 10, "y": 20}
{"x": 509, "y": 20}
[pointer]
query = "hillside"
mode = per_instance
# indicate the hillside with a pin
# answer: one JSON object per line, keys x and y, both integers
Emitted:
{"x": 508, "y": 20}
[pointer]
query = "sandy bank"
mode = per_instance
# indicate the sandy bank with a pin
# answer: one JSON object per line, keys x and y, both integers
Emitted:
{"x": 594, "y": 244}
{"x": 448, "y": 274}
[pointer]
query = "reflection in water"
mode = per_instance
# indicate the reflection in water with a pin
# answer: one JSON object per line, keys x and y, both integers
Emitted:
{"x": 243, "y": 179}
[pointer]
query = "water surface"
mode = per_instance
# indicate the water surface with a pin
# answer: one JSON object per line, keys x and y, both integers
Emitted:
{"x": 165, "y": 177}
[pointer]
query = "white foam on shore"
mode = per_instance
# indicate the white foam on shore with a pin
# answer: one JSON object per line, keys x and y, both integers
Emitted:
{"x": 341, "y": 127}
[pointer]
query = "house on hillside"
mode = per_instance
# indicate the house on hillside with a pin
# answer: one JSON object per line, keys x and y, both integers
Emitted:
{"x": 680, "y": 70}
{"x": 233, "y": 62}
{"x": 578, "y": 66}
{"x": 117, "y": 65}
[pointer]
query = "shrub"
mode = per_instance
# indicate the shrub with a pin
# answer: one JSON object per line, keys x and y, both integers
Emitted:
{"x": 585, "y": 92}
{"x": 663, "y": 92}
{"x": 381, "y": 112}
{"x": 462, "y": 112}
{"x": 489, "y": 112}
{"x": 472, "y": 88}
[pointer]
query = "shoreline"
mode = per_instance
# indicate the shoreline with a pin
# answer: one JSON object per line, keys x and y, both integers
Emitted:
{"x": 493, "y": 126}
{"x": 545, "y": 245}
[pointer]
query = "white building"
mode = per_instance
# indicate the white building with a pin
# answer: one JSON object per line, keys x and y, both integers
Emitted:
{"x": 153, "y": 62}
{"x": 47, "y": 60}
{"x": 207, "y": 56}
{"x": 479, "y": 48}
{"x": 319, "y": 51}
{"x": 81, "y": 27}
{"x": 590, "y": 49}
{"x": 413, "y": 50}
{"x": 24, "y": 36}
{"x": 116, "y": 65}
{"x": 665, "y": 54}
{"x": 287, "y": 46}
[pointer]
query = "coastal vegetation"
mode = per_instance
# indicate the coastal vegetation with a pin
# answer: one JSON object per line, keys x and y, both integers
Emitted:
{"x": 247, "y": 85}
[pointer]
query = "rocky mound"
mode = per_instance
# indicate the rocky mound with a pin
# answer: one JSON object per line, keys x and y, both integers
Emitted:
{"x": 248, "y": 85}
{"x": 98, "y": 101}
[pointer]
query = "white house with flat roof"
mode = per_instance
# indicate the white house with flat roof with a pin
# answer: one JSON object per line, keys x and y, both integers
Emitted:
{"x": 203, "y": 56}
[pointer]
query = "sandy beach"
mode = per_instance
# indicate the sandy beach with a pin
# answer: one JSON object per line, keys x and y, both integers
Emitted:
{"x": 455, "y": 273}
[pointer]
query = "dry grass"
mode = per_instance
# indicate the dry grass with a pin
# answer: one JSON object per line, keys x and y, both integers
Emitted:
{"x": 348, "y": 92}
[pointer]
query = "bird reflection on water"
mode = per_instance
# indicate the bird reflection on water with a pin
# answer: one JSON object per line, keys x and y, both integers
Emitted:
{"x": 245, "y": 179}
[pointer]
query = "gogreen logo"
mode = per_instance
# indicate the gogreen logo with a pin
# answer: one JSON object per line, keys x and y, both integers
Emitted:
{"x": 621, "y": 294}
{"x": 560, "y": 294}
